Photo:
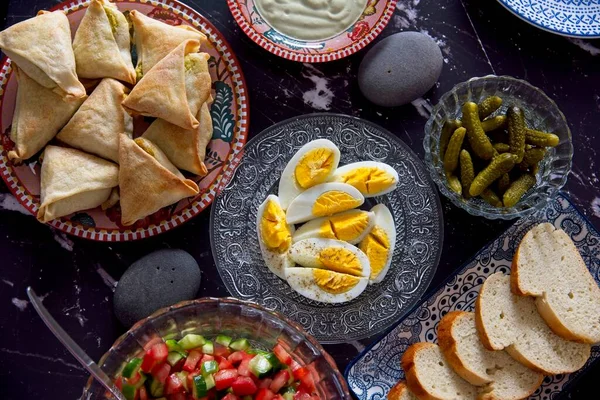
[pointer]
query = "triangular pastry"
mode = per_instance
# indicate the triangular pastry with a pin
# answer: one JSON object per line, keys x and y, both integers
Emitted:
{"x": 175, "y": 89}
{"x": 102, "y": 45}
{"x": 185, "y": 148}
{"x": 155, "y": 39}
{"x": 100, "y": 120}
{"x": 73, "y": 181}
{"x": 39, "y": 115}
{"x": 41, "y": 47}
{"x": 147, "y": 180}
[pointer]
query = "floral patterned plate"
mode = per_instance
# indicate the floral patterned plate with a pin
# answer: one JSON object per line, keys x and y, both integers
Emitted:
{"x": 230, "y": 121}
{"x": 377, "y": 369}
{"x": 415, "y": 206}
{"x": 374, "y": 18}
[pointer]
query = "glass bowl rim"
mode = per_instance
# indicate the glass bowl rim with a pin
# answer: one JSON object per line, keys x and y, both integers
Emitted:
{"x": 493, "y": 213}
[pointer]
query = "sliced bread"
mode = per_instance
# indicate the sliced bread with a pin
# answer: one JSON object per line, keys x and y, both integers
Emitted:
{"x": 401, "y": 392}
{"x": 507, "y": 321}
{"x": 429, "y": 376}
{"x": 500, "y": 376}
{"x": 548, "y": 266}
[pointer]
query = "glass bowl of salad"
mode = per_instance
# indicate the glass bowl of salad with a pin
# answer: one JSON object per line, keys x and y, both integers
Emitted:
{"x": 219, "y": 348}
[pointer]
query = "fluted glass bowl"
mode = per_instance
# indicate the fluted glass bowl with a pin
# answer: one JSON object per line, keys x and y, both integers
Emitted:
{"x": 210, "y": 316}
{"x": 541, "y": 113}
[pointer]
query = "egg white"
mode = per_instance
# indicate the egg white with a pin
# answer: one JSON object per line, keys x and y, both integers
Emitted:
{"x": 303, "y": 282}
{"x": 300, "y": 209}
{"x": 276, "y": 262}
{"x": 306, "y": 253}
{"x": 288, "y": 186}
{"x": 341, "y": 171}
{"x": 385, "y": 220}
{"x": 312, "y": 229}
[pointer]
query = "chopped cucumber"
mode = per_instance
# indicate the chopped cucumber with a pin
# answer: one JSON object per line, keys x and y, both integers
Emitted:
{"x": 191, "y": 341}
{"x": 174, "y": 357}
{"x": 275, "y": 363}
{"x": 223, "y": 340}
{"x": 208, "y": 347}
{"x": 132, "y": 367}
{"x": 172, "y": 345}
{"x": 200, "y": 386}
{"x": 129, "y": 391}
{"x": 143, "y": 378}
{"x": 183, "y": 378}
{"x": 209, "y": 367}
{"x": 156, "y": 388}
{"x": 240, "y": 344}
{"x": 210, "y": 381}
{"x": 260, "y": 366}
{"x": 288, "y": 396}
{"x": 170, "y": 336}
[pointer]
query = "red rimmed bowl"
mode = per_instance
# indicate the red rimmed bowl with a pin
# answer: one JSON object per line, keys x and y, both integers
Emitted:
{"x": 210, "y": 316}
{"x": 369, "y": 25}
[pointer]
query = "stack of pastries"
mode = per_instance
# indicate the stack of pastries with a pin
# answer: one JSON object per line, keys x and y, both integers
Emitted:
{"x": 93, "y": 159}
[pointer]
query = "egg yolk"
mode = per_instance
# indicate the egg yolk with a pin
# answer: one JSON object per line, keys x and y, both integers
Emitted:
{"x": 368, "y": 180}
{"x": 333, "y": 282}
{"x": 344, "y": 227}
{"x": 274, "y": 230}
{"x": 314, "y": 167}
{"x": 376, "y": 246}
{"x": 341, "y": 260}
{"x": 333, "y": 202}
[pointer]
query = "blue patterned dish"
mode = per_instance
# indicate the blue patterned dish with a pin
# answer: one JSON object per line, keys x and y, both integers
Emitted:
{"x": 575, "y": 18}
{"x": 377, "y": 369}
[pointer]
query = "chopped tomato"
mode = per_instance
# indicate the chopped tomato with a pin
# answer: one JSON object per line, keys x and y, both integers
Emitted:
{"x": 143, "y": 393}
{"x": 279, "y": 380}
{"x": 206, "y": 357}
{"x": 178, "y": 367}
{"x": 264, "y": 394}
{"x": 283, "y": 356}
{"x": 157, "y": 354}
{"x": 265, "y": 383}
{"x": 225, "y": 378}
{"x": 152, "y": 342}
{"x": 302, "y": 396}
{"x": 161, "y": 372}
{"x": 244, "y": 386}
{"x": 192, "y": 360}
{"x": 300, "y": 372}
{"x": 244, "y": 368}
{"x": 178, "y": 396}
{"x": 295, "y": 366}
{"x": 239, "y": 356}
{"x": 220, "y": 350}
{"x": 190, "y": 378}
{"x": 307, "y": 382}
{"x": 174, "y": 385}
{"x": 278, "y": 397}
{"x": 119, "y": 383}
{"x": 134, "y": 379}
{"x": 225, "y": 363}
{"x": 230, "y": 396}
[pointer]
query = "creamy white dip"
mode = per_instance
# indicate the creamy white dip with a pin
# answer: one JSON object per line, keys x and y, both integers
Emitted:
{"x": 311, "y": 19}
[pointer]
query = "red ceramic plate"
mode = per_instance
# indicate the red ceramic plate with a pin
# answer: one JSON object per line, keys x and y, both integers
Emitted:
{"x": 374, "y": 18}
{"x": 230, "y": 119}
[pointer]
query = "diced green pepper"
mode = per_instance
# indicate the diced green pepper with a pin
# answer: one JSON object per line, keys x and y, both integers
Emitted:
{"x": 129, "y": 391}
{"x": 174, "y": 357}
{"x": 208, "y": 347}
{"x": 132, "y": 367}
{"x": 209, "y": 367}
{"x": 191, "y": 341}
{"x": 260, "y": 366}
{"x": 240, "y": 344}
{"x": 223, "y": 340}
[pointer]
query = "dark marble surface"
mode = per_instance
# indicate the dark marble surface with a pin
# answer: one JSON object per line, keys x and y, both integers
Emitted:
{"x": 477, "y": 38}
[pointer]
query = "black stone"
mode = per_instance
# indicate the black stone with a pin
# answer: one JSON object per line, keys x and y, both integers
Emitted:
{"x": 159, "y": 279}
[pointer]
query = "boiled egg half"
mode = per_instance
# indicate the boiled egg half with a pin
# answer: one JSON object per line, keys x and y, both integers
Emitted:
{"x": 379, "y": 244}
{"x": 351, "y": 226}
{"x": 332, "y": 271}
{"x": 313, "y": 163}
{"x": 371, "y": 178}
{"x": 274, "y": 236}
{"x": 323, "y": 200}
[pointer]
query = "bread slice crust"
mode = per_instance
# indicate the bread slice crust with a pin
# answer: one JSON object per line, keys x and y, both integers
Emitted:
{"x": 548, "y": 266}
{"x": 400, "y": 391}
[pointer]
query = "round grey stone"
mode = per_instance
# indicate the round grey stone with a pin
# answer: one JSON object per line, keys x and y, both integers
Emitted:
{"x": 159, "y": 279}
{"x": 400, "y": 69}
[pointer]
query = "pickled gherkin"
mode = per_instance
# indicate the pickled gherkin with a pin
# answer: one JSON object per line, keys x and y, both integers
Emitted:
{"x": 454, "y": 183}
{"x": 488, "y": 106}
{"x": 491, "y": 124}
{"x": 532, "y": 157}
{"x": 499, "y": 166}
{"x": 491, "y": 197}
{"x": 501, "y": 147}
{"x": 453, "y": 150}
{"x": 447, "y": 130}
{"x": 517, "y": 189}
{"x": 480, "y": 143}
{"x": 543, "y": 139}
{"x": 516, "y": 132}
{"x": 503, "y": 183}
{"x": 467, "y": 172}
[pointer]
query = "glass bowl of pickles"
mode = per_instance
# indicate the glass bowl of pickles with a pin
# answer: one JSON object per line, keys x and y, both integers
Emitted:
{"x": 498, "y": 147}
{"x": 218, "y": 348}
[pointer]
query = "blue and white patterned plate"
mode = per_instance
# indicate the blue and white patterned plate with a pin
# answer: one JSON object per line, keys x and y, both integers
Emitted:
{"x": 575, "y": 18}
{"x": 377, "y": 369}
